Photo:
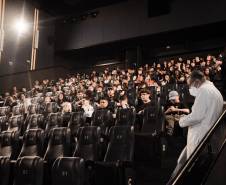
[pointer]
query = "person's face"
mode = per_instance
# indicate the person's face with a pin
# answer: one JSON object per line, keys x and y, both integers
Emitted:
{"x": 91, "y": 88}
{"x": 167, "y": 77}
{"x": 203, "y": 63}
{"x": 209, "y": 57}
{"x": 80, "y": 95}
{"x": 103, "y": 103}
{"x": 47, "y": 99}
{"x": 124, "y": 102}
{"x": 54, "y": 89}
{"x": 99, "y": 89}
{"x": 145, "y": 97}
{"x": 111, "y": 92}
{"x": 61, "y": 96}
{"x": 207, "y": 71}
{"x": 193, "y": 64}
{"x": 139, "y": 72}
{"x": 176, "y": 72}
{"x": 22, "y": 97}
{"x": 197, "y": 59}
{"x": 85, "y": 102}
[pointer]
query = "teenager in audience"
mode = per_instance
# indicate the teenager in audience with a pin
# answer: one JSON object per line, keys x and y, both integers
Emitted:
{"x": 145, "y": 96}
{"x": 174, "y": 109}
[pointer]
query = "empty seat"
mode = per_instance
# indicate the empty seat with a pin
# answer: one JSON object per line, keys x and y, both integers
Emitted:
{"x": 53, "y": 120}
{"x": 29, "y": 171}
{"x": 66, "y": 117}
{"x": 33, "y": 141}
{"x": 132, "y": 96}
{"x": 37, "y": 99}
{"x": 9, "y": 144}
{"x": 68, "y": 171}
{"x": 18, "y": 110}
{"x": 121, "y": 144}
{"x": 33, "y": 109}
{"x": 58, "y": 145}
{"x": 77, "y": 120}
{"x": 152, "y": 121}
{"x": 88, "y": 146}
{"x": 125, "y": 116}
{"x": 4, "y": 170}
{"x": 103, "y": 118}
{"x": 4, "y": 111}
{"x": 3, "y": 123}
{"x": 15, "y": 123}
{"x": 35, "y": 121}
{"x": 117, "y": 167}
{"x": 51, "y": 107}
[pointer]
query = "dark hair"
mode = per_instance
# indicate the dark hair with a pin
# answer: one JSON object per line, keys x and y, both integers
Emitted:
{"x": 121, "y": 98}
{"x": 142, "y": 91}
{"x": 197, "y": 75}
{"x": 103, "y": 98}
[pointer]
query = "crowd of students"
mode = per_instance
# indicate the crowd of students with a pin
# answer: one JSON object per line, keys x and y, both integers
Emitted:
{"x": 116, "y": 88}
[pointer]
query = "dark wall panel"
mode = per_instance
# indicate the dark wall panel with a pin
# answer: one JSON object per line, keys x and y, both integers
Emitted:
{"x": 130, "y": 19}
{"x": 26, "y": 79}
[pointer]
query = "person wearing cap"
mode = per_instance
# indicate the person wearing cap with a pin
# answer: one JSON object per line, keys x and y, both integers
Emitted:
{"x": 174, "y": 110}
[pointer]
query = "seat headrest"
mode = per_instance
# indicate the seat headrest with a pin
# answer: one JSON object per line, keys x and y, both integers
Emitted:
{"x": 59, "y": 136}
{"x": 4, "y": 110}
{"x": 8, "y": 138}
{"x": 33, "y": 136}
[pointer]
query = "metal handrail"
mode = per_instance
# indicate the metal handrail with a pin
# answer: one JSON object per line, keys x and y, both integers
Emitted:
{"x": 194, "y": 155}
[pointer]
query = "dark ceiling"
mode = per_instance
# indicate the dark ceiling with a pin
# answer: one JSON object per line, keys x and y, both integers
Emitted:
{"x": 72, "y": 7}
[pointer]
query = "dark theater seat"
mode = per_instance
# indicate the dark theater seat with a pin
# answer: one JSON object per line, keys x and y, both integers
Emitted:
{"x": 4, "y": 170}
{"x": 9, "y": 144}
{"x": 29, "y": 171}
{"x": 35, "y": 121}
{"x": 102, "y": 118}
{"x": 59, "y": 144}
{"x": 77, "y": 120}
{"x": 68, "y": 171}
{"x": 117, "y": 167}
{"x": 33, "y": 141}
{"x": 125, "y": 116}
{"x": 54, "y": 120}
{"x": 3, "y": 123}
{"x": 88, "y": 146}
{"x": 16, "y": 123}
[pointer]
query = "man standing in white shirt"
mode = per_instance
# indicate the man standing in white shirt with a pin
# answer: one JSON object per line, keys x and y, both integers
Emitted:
{"x": 206, "y": 109}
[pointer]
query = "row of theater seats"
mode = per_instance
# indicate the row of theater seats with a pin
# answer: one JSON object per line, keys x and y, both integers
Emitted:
{"x": 61, "y": 166}
{"x": 63, "y": 149}
{"x": 101, "y": 117}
